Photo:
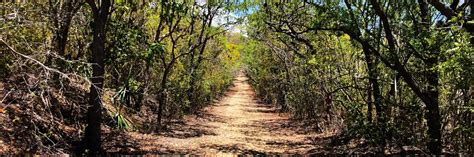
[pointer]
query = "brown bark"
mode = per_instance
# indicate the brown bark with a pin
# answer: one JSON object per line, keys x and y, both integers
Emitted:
{"x": 61, "y": 19}
{"x": 92, "y": 140}
{"x": 430, "y": 97}
{"x": 445, "y": 10}
{"x": 373, "y": 74}
{"x": 173, "y": 28}
{"x": 162, "y": 97}
{"x": 376, "y": 93}
{"x": 67, "y": 12}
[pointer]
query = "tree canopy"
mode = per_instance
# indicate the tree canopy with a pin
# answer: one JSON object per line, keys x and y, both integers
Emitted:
{"x": 389, "y": 73}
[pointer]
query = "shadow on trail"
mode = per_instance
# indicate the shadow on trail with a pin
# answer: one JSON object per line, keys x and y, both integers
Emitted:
{"x": 236, "y": 149}
{"x": 183, "y": 129}
{"x": 262, "y": 110}
{"x": 122, "y": 142}
{"x": 239, "y": 125}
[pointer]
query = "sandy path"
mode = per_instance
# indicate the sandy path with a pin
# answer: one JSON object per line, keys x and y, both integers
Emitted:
{"x": 235, "y": 124}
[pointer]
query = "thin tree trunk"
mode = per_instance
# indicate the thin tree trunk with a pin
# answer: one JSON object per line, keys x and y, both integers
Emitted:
{"x": 375, "y": 90}
{"x": 376, "y": 94}
{"x": 195, "y": 66}
{"x": 162, "y": 97}
{"x": 62, "y": 20}
{"x": 431, "y": 96}
{"x": 433, "y": 116}
{"x": 92, "y": 140}
{"x": 194, "y": 75}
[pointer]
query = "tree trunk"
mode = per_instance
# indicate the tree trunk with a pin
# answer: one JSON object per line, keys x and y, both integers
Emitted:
{"x": 195, "y": 66}
{"x": 431, "y": 96}
{"x": 376, "y": 93}
{"x": 433, "y": 116}
{"x": 191, "y": 90}
{"x": 194, "y": 74}
{"x": 162, "y": 95}
{"x": 373, "y": 74}
{"x": 92, "y": 136}
{"x": 369, "y": 104}
{"x": 60, "y": 35}
{"x": 162, "y": 103}
{"x": 62, "y": 20}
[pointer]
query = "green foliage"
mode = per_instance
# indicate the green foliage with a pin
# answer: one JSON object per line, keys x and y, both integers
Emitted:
{"x": 122, "y": 122}
{"x": 154, "y": 50}
{"x": 309, "y": 58}
{"x": 5, "y": 63}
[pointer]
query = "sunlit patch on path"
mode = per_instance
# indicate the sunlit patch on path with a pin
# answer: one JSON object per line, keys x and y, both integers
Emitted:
{"x": 235, "y": 124}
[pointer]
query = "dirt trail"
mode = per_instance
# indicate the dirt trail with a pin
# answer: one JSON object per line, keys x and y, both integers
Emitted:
{"x": 235, "y": 124}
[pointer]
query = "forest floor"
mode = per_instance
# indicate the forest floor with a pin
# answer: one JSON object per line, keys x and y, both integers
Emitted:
{"x": 236, "y": 124}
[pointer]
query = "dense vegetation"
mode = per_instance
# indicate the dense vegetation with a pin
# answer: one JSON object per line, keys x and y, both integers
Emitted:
{"x": 393, "y": 73}
{"x": 125, "y": 56}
